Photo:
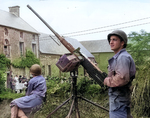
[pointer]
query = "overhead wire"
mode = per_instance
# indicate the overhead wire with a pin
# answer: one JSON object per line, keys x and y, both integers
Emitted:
{"x": 67, "y": 34}
{"x": 107, "y": 26}
{"x": 98, "y": 31}
{"x": 108, "y": 29}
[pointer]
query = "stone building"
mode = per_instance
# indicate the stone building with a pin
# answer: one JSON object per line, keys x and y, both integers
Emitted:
{"x": 17, "y": 36}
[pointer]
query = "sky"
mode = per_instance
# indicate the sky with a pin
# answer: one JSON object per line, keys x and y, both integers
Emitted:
{"x": 84, "y": 19}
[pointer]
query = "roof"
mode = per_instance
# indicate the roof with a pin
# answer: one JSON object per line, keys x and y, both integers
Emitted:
{"x": 49, "y": 46}
{"x": 10, "y": 20}
{"x": 97, "y": 46}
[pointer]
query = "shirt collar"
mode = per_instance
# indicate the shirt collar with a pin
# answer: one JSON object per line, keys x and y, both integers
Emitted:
{"x": 116, "y": 55}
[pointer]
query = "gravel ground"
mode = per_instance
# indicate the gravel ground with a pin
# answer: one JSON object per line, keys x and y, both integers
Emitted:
{"x": 5, "y": 109}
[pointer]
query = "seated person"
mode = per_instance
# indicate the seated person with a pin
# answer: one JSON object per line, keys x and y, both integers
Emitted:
{"x": 34, "y": 96}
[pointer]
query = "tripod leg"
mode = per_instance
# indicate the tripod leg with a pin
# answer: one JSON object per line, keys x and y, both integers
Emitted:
{"x": 76, "y": 108}
{"x": 59, "y": 107}
{"x": 70, "y": 111}
{"x": 93, "y": 103}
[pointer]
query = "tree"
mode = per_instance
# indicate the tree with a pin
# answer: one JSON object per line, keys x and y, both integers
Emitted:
{"x": 4, "y": 64}
{"x": 139, "y": 46}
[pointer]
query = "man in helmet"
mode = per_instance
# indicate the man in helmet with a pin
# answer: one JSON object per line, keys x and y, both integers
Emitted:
{"x": 121, "y": 72}
{"x": 35, "y": 95}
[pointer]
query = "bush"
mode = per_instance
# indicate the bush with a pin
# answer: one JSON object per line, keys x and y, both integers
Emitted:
{"x": 4, "y": 65}
{"x": 8, "y": 95}
{"x": 141, "y": 91}
{"x": 27, "y": 61}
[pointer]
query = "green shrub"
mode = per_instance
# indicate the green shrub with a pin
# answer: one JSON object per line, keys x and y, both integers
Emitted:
{"x": 4, "y": 65}
{"x": 141, "y": 91}
{"x": 9, "y": 95}
{"x": 26, "y": 61}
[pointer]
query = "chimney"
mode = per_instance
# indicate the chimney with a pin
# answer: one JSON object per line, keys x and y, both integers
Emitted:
{"x": 15, "y": 10}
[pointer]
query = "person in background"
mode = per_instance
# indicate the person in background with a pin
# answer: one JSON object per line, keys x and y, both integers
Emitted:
{"x": 10, "y": 81}
{"x": 13, "y": 84}
{"x": 19, "y": 85}
{"x": 20, "y": 78}
{"x": 24, "y": 82}
{"x": 24, "y": 79}
{"x": 16, "y": 79}
{"x": 35, "y": 95}
{"x": 121, "y": 72}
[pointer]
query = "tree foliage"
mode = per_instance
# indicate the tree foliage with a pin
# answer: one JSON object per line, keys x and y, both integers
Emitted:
{"x": 4, "y": 64}
{"x": 26, "y": 61}
{"x": 141, "y": 92}
{"x": 139, "y": 46}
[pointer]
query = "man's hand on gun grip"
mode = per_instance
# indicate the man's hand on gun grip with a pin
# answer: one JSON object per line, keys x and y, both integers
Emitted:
{"x": 107, "y": 81}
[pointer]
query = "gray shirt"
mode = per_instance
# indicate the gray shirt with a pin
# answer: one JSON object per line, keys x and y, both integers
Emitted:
{"x": 37, "y": 85}
{"x": 121, "y": 70}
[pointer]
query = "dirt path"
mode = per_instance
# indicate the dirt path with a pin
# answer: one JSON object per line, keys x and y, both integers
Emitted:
{"x": 5, "y": 109}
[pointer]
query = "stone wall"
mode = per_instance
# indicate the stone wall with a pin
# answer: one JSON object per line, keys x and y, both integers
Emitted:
{"x": 1, "y": 39}
{"x": 14, "y": 39}
{"x": 48, "y": 63}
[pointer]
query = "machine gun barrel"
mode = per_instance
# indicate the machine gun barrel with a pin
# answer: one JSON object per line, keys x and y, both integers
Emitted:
{"x": 62, "y": 40}
{"x": 93, "y": 71}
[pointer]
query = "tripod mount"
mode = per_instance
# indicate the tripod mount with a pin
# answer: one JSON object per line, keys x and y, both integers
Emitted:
{"x": 75, "y": 97}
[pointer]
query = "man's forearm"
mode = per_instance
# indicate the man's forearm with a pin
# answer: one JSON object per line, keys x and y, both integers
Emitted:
{"x": 115, "y": 81}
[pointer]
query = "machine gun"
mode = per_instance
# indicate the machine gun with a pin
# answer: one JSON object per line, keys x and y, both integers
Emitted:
{"x": 69, "y": 63}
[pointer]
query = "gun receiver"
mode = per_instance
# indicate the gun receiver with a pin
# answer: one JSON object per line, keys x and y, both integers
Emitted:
{"x": 93, "y": 71}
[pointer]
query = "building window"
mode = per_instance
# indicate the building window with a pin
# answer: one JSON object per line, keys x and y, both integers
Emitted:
{"x": 6, "y": 51}
{"x": 21, "y": 44}
{"x": 7, "y": 48}
{"x": 6, "y": 31}
{"x": 34, "y": 48}
{"x": 21, "y": 34}
{"x": 33, "y": 37}
{"x": 6, "y": 42}
{"x": 49, "y": 70}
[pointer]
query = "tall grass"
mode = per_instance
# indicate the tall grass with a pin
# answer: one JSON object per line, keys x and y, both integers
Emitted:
{"x": 141, "y": 91}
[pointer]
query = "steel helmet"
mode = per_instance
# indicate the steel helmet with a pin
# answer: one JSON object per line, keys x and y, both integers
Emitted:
{"x": 120, "y": 34}
{"x": 35, "y": 70}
